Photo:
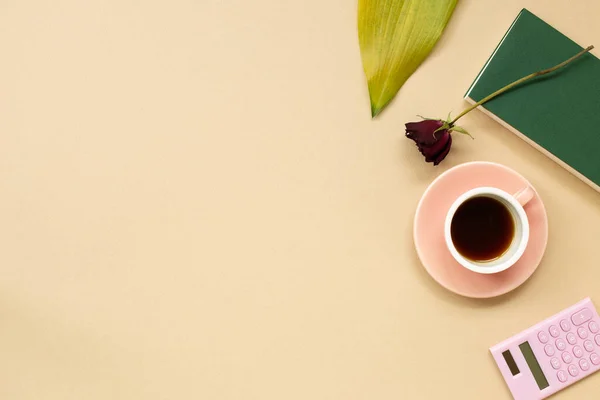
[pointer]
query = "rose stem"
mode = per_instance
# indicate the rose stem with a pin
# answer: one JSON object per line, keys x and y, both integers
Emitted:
{"x": 518, "y": 82}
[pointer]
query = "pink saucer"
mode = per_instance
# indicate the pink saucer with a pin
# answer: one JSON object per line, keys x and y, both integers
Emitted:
{"x": 429, "y": 230}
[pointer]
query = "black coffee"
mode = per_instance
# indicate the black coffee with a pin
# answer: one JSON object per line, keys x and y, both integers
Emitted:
{"x": 482, "y": 229}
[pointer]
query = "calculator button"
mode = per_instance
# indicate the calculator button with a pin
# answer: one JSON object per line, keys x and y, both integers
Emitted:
{"x": 560, "y": 344}
{"x": 565, "y": 325}
{"x": 562, "y": 376}
{"x": 584, "y": 364}
{"x": 571, "y": 338}
{"x": 567, "y": 358}
{"x": 549, "y": 350}
{"x": 594, "y": 328}
{"x": 573, "y": 370}
{"x": 595, "y": 359}
{"x": 597, "y": 339}
{"x": 577, "y": 352}
{"x": 582, "y": 332}
{"x": 581, "y": 317}
{"x": 555, "y": 363}
{"x": 543, "y": 336}
{"x": 588, "y": 345}
{"x": 554, "y": 331}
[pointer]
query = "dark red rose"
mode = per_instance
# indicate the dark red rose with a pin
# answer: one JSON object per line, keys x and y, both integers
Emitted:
{"x": 433, "y": 145}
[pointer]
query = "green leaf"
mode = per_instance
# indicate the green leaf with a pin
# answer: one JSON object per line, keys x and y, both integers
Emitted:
{"x": 395, "y": 37}
{"x": 461, "y": 130}
{"x": 428, "y": 119}
{"x": 445, "y": 126}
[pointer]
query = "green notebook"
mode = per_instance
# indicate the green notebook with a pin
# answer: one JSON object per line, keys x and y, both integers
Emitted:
{"x": 558, "y": 113}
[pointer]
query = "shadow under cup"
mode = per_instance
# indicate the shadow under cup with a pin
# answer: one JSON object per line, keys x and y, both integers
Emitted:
{"x": 490, "y": 209}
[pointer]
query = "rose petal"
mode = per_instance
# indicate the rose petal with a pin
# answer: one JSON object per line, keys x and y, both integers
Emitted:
{"x": 440, "y": 157}
{"x": 422, "y": 132}
{"x": 431, "y": 152}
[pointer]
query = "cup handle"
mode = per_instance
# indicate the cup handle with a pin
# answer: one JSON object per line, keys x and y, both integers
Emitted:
{"x": 524, "y": 195}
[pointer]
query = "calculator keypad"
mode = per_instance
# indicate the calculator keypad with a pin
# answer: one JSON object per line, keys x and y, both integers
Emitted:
{"x": 565, "y": 348}
{"x": 565, "y": 339}
{"x": 573, "y": 370}
{"x": 581, "y": 317}
{"x": 562, "y": 376}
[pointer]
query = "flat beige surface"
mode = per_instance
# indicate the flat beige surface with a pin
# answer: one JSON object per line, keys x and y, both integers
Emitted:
{"x": 196, "y": 205}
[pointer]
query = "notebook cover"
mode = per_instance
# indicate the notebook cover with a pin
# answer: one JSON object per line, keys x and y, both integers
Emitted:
{"x": 558, "y": 113}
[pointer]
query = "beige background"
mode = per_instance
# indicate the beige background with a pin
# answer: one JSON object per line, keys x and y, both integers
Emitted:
{"x": 195, "y": 204}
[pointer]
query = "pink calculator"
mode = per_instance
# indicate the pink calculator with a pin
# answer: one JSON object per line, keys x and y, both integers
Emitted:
{"x": 551, "y": 355}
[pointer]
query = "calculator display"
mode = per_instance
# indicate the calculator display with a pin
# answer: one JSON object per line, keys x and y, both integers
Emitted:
{"x": 534, "y": 366}
{"x": 510, "y": 361}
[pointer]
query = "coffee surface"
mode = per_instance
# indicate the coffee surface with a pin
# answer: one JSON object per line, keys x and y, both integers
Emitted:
{"x": 482, "y": 229}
